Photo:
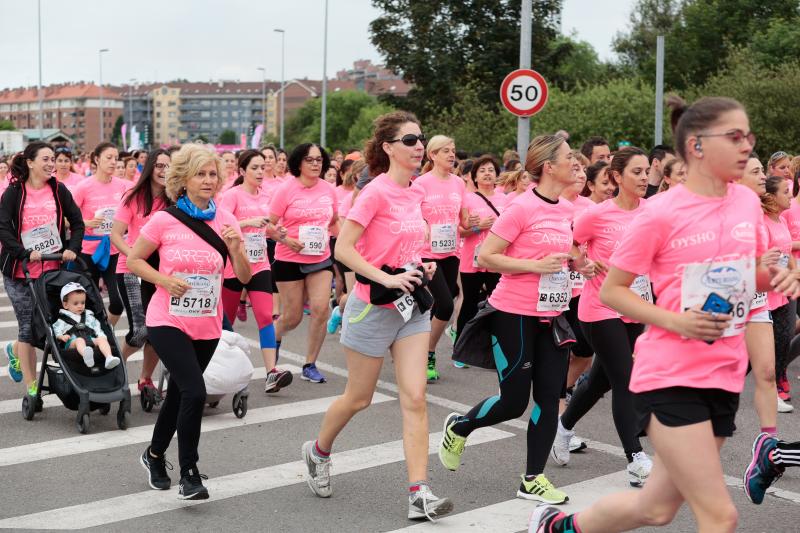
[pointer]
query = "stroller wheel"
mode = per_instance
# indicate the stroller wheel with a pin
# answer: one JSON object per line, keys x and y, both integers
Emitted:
{"x": 39, "y": 404}
{"x": 123, "y": 419}
{"x": 28, "y": 407}
{"x": 105, "y": 409}
{"x": 83, "y": 423}
{"x": 240, "y": 405}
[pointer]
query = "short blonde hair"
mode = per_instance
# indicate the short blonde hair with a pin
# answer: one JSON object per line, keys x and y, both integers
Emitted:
{"x": 186, "y": 163}
{"x": 436, "y": 143}
{"x": 542, "y": 149}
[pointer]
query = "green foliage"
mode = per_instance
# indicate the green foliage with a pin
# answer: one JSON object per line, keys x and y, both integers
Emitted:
{"x": 7, "y": 125}
{"x": 361, "y": 129}
{"x": 778, "y": 43}
{"x": 228, "y": 137}
{"x": 116, "y": 133}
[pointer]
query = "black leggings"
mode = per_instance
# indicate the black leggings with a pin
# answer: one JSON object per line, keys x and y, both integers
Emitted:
{"x": 444, "y": 287}
{"x": 109, "y": 276}
{"x": 783, "y": 320}
{"x": 526, "y": 356}
{"x": 613, "y": 341}
{"x": 475, "y": 288}
{"x": 186, "y": 359}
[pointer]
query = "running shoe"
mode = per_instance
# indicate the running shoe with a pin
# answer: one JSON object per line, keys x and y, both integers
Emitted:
{"x": 451, "y": 333}
{"x": 310, "y": 373}
{"x": 459, "y": 364}
{"x": 543, "y": 516}
{"x": 156, "y": 467}
{"x": 14, "y": 371}
{"x": 191, "y": 486}
{"x": 241, "y": 312}
{"x": 761, "y": 472}
{"x": 541, "y": 490}
{"x": 639, "y": 469}
{"x": 277, "y": 379}
{"x": 433, "y": 374}
{"x": 33, "y": 388}
{"x": 576, "y": 444}
{"x": 784, "y": 388}
{"x": 451, "y": 447}
{"x": 319, "y": 471}
{"x": 335, "y": 320}
{"x": 423, "y": 504}
{"x": 561, "y": 449}
{"x": 146, "y": 384}
{"x": 784, "y": 407}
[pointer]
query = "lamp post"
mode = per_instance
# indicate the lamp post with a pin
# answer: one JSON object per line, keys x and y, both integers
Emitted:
{"x": 130, "y": 107}
{"x": 39, "y": 92}
{"x": 323, "y": 125}
{"x": 102, "y": 107}
{"x": 283, "y": 62}
{"x": 263, "y": 95}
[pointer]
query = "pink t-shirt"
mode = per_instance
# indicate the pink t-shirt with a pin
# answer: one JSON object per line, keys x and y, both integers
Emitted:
{"x": 472, "y": 242}
{"x": 72, "y": 181}
{"x": 244, "y": 205}
{"x": 341, "y": 199}
{"x": 779, "y": 237}
{"x": 581, "y": 204}
{"x": 95, "y": 198}
{"x": 307, "y": 213}
{"x": 792, "y": 218}
{"x": 394, "y": 230}
{"x": 183, "y": 254}
{"x": 535, "y": 228}
{"x": 692, "y": 246}
{"x": 601, "y": 228}
{"x": 269, "y": 186}
{"x": 442, "y": 202}
{"x": 39, "y": 228}
{"x": 133, "y": 216}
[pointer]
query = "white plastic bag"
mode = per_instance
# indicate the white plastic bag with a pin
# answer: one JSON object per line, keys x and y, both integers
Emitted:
{"x": 230, "y": 368}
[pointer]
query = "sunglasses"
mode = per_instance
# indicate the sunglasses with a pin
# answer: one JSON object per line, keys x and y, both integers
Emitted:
{"x": 63, "y": 150}
{"x": 410, "y": 139}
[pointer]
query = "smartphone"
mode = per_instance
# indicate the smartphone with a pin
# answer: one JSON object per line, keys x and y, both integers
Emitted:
{"x": 717, "y": 304}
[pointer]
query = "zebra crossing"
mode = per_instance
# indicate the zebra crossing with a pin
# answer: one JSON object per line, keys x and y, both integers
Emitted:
{"x": 256, "y": 479}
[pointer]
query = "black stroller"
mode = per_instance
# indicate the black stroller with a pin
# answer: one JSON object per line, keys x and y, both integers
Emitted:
{"x": 79, "y": 388}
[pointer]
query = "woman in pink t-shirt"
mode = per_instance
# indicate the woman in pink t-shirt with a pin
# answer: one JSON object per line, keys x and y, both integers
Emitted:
{"x": 65, "y": 172}
{"x": 305, "y": 206}
{"x": 184, "y": 318}
{"x": 599, "y": 185}
{"x": 381, "y": 241}
{"x": 98, "y": 197}
{"x": 444, "y": 211}
{"x": 145, "y": 199}
{"x": 272, "y": 180}
{"x": 700, "y": 244}
{"x": 531, "y": 245}
{"x": 249, "y": 203}
{"x": 611, "y": 337}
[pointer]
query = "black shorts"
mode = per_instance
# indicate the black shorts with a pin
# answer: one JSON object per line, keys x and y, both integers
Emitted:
{"x": 288, "y": 271}
{"x": 684, "y": 406}
{"x": 271, "y": 255}
{"x": 581, "y": 347}
{"x": 339, "y": 265}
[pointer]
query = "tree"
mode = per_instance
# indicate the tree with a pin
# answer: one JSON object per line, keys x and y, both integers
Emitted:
{"x": 361, "y": 129}
{"x": 7, "y": 125}
{"x": 116, "y": 133}
{"x": 778, "y": 43}
{"x": 227, "y": 137}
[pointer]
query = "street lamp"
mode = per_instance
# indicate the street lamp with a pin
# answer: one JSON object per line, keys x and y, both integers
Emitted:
{"x": 102, "y": 107}
{"x": 130, "y": 107}
{"x": 263, "y": 95}
{"x": 323, "y": 125}
{"x": 283, "y": 61}
{"x": 40, "y": 95}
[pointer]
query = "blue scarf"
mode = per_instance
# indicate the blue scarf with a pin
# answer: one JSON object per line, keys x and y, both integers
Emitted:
{"x": 102, "y": 255}
{"x": 186, "y": 205}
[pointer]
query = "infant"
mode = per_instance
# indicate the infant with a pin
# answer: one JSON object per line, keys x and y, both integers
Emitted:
{"x": 76, "y": 325}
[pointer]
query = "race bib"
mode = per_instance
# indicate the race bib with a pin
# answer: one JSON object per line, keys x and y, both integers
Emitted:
{"x": 576, "y": 279}
{"x": 554, "y": 292}
{"x": 759, "y": 300}
{"x": 201, "y": 300}
{"x": 314, "y": 239}
{"x": 444, "y": 238}
{"x": 641, "y": 286}
{"x": 405, "y": 306}
{"x": 734, "y": 280}
{"x": 107, "y": 214}
{"x": 43, "y": 239}
{"x": 256, "y": 247}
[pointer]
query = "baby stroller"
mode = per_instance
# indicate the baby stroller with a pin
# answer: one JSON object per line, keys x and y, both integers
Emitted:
{"x": 229, "y": 372}
{"x": 79, "y": 388}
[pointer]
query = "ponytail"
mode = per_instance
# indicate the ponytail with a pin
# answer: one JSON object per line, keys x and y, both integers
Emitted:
{"x": 19, "y": 167}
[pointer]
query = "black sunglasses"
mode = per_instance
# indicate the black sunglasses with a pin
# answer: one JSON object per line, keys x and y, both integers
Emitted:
{"x": 410, "y": 139}
{"x": 63, "y": 150}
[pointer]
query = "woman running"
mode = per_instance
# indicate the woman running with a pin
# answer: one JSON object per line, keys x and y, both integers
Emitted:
{"x": 137, "y": 207}
{"x": 780, "y": 164}
{"x": 611, "y": 336}
{"x": 34, "y": 211}
{"x": 184, "y": 318}
{"x": 674, "y": 174}
{"x": 443, "y": 209}
{"x": 382, "y": 240}
{"x": 305, "y": 205}
{"x": 269, "y": 185}
{"x": 250, "y": 205}
{"x": 530, "y": 245}
{"x": 65, "y": 172}
{"x": 690, "y": 364}
{"x": 98, "y": 198}
{"x": 599, "y": 185}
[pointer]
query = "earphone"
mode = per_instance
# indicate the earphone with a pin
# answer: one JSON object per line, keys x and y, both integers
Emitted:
{"x": 698, "y": 147}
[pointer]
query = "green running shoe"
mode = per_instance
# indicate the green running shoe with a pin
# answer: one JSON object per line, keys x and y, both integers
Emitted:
{"x": 541, "y": 490}
{"x": 451, "y": 447}
{"x": 433, "y": 374}
{"x": 33, "y": 388}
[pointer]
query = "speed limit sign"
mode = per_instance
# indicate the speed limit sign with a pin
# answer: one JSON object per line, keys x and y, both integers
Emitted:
{"x": 524, "y": 92}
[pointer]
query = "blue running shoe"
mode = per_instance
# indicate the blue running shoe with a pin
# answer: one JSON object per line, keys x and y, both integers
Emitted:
{"x": 335, "y": 320}
{"x": 761, "y": 472}
{"x": 13, "y": 363}
{"x": 459, "y": 364}
{"x": 310, "y": 373}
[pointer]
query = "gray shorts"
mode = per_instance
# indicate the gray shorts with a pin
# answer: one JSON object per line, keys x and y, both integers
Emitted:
{"x": 22, "y": 303}
{"x": 372, "y": 329}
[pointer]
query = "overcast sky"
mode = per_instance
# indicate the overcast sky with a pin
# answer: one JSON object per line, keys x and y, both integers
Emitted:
{"x": 202, "y": 40}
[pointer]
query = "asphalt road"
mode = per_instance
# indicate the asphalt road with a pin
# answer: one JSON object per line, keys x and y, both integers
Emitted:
{"x": 54, "y": 478}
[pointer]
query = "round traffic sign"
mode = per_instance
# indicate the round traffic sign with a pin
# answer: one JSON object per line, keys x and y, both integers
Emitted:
{"x": 524, "y": 92}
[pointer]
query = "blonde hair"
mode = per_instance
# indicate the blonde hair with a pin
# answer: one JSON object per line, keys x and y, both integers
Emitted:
{"x": 542, "y": 149}
{"x": 511, "y": 179}
{"x": 580, "y": 158}
{"x": 436, "y": 143}
{"x": 186, "y": 163}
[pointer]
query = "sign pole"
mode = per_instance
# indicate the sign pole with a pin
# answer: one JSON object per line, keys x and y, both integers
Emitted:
{"x": 659, "y": 133}
{"x": 526, "y": 27}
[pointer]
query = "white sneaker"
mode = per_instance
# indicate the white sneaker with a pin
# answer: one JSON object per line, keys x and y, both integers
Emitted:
{"x": 560, "y": 450}
{"x": 319, "y": 472}
{"x": 784, "y": 407}
{"x": 576, "y": 444}
{"x": 111, "y": 362}
{"x": 639, "y": 469}
{"x": 424, "y": 504}
{"x": 88, "y": 356}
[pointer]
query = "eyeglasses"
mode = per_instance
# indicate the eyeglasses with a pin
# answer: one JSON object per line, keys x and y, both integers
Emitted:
{"x": 313, "y": 160}
{"x": 161, "y": 166}
{"x": 410, "y": 139}
{"x": 737, "y": 137}
{"x": 63, "y": 150}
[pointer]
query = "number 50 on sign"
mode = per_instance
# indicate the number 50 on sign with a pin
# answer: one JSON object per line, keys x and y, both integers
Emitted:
{"x": 524, "y": 92}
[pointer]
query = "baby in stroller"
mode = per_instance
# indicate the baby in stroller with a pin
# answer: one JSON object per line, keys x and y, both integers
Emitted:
{"x": 77, "y": 327}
